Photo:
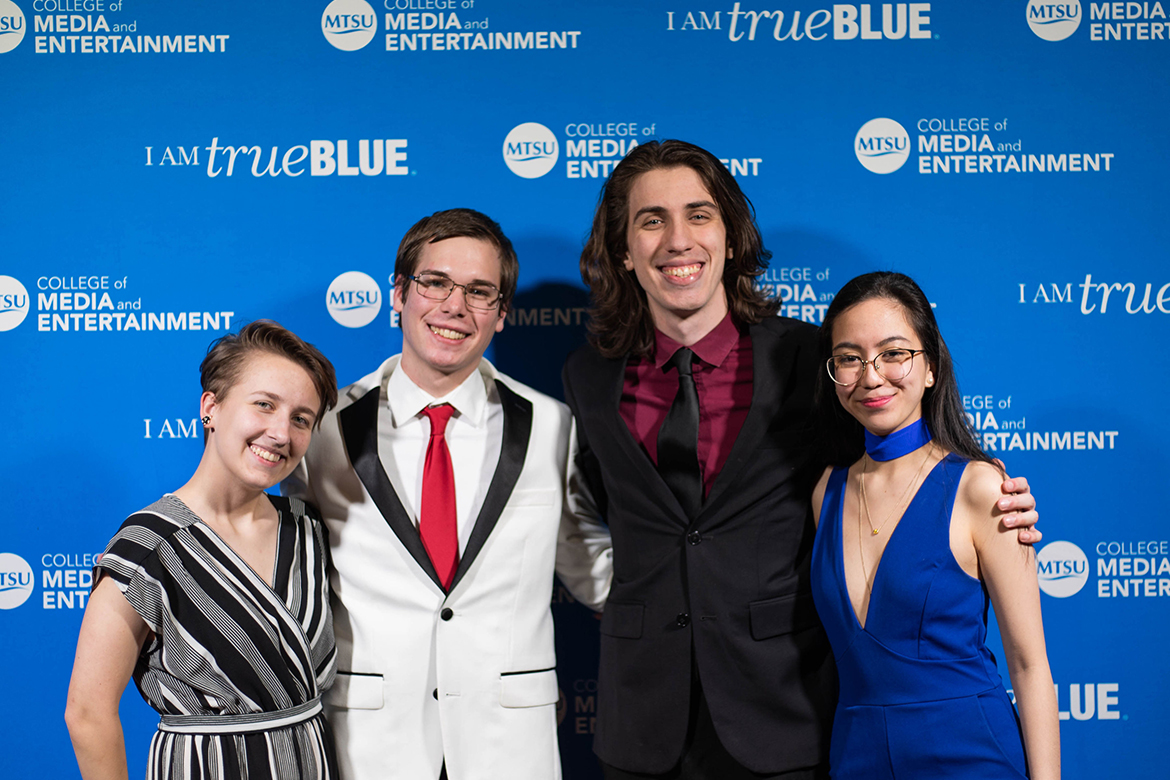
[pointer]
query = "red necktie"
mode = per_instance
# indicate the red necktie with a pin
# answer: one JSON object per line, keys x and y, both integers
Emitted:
{"x": 440, "y": 535}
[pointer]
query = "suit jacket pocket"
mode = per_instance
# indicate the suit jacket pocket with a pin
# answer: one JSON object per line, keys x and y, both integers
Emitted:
{"x": 622, "y": 620}
{"x": 355, "y": 691}
{"x": 529, "y": 689}
{"x": 782, "y": 615}
{"x": 534, "y": 498}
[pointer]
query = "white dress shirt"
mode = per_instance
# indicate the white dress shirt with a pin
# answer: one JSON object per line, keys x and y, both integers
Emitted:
{"x": 474, "y": 436}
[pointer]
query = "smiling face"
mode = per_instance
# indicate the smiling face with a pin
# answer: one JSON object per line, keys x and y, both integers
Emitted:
{"x": 676, "y": 246}
{"x": 868, "y": 329}
{"x": 261, "y": 426}
{"x": 443, "y": 341}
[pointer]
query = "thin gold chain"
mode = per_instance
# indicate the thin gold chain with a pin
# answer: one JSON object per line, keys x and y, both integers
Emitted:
{"x": 901, "y": 501}
{"x": 863, "y": 503}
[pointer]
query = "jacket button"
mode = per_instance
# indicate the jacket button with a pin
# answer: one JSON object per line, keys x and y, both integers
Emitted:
{"x": 683, "y": 620}
{"x": 694, "y": 537}
{"x": 446, "y": 614}
{"x": 435, "y": 693}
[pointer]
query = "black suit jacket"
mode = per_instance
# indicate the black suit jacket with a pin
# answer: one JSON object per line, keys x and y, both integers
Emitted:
{"x": 734, "y": 583}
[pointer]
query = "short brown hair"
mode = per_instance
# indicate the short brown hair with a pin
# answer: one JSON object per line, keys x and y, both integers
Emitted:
{"x": 225, "y": 359}
{"x": 458, "y": 223}
{"x": 621, "y": 323}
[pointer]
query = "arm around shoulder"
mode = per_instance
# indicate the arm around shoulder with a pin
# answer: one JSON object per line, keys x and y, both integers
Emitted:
{"x": 1008, "y": 569}
{"x": 584, "y": 546}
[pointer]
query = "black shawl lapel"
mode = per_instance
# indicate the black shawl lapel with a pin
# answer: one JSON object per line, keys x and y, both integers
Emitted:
{"x": 767, "y": 386}
{"x": 359, "y": 429}
{"x": 513, "y": 449}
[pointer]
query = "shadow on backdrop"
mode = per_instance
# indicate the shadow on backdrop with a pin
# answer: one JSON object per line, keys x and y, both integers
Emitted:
{"x": 546, "y": 323}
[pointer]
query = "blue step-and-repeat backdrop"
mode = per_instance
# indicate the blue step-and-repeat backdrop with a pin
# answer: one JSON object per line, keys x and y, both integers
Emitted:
{"x": 172, "y": 170}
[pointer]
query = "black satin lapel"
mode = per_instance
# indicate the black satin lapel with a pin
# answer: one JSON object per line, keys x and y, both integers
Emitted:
{"x": 513, "y": 449}
{"x": 766, "y": 385}
{"x": 359, "y": 430}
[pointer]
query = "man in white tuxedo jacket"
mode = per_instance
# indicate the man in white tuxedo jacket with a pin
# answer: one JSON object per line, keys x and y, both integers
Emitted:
{"x": 446, "y": 665}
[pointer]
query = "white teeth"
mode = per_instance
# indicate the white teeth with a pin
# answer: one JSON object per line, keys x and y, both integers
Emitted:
{"x": 448, "y": 334}
{"x": 268, "y": 456}
{"x": 681, "y": 271}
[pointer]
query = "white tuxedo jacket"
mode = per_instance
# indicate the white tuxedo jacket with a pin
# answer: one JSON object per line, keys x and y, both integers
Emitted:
{"x": 467, "y": 677}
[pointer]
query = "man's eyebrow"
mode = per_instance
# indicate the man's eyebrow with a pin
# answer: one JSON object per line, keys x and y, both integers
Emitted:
{"x": 650, "y": 210}
{"x": 697, "y": 204}
{"x": 445, "y": 275}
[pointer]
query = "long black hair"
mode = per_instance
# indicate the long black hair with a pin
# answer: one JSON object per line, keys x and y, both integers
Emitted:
{"x": 843, "y": 438}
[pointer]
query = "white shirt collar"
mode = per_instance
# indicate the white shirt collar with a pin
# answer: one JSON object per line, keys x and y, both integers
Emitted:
{"x": 406, "y": 399}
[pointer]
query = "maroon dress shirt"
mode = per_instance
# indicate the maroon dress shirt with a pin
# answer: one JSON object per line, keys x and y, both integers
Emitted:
{"x": 723, "y": 379}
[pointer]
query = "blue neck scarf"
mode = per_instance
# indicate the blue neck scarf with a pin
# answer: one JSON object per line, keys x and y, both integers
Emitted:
{"x": 898, "y": 443}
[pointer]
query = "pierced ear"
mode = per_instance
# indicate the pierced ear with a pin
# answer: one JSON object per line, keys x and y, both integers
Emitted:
{"x": 207, "y": 404}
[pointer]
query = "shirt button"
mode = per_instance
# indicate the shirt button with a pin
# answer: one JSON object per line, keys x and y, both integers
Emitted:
{"x": 694, "y": 537}
{"x": 446, "y": 614}
{"x": 683, "y": 620}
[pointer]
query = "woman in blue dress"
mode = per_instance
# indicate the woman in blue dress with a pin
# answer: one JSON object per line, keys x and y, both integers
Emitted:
{"x": 907, "y": 554}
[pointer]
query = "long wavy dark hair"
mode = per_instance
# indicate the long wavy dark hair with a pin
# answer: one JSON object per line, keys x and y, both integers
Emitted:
{"x": 620, "y": 320}
{"x": 843, "y": 437}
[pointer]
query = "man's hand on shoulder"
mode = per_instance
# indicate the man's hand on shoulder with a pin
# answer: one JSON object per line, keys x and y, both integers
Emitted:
{"x": 1019, "y": 508}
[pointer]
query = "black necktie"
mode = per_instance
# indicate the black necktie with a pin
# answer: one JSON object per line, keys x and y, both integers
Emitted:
{"x": 678, "y": 439}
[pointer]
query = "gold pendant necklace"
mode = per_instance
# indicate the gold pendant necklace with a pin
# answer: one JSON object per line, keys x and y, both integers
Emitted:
{"x": 898, "y": 506}
{"x": 863, "y": 503}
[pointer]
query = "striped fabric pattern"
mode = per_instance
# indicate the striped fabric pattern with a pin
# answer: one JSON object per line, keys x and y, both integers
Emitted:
{"x": 226, "y": 644}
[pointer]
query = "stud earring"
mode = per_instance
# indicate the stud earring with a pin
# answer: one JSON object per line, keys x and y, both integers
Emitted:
{"x": 207, "y": 421}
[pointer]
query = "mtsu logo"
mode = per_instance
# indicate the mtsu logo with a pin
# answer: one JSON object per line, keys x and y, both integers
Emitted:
{"x": 348, "y": 24}
{"x": 1062, "y": 569}
{"x": 531, "y": 150}
{"x": 16, "y": 581}
{"x": 353, "y": 299}
{"x": 13, "y": 301}
{"x": 12, "y": 26}
{"x": 882, "y": 145}
{"x": 1054, "y": 21}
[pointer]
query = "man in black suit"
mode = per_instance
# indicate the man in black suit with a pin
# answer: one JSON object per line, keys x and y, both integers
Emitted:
{"x": 693, "y": 405}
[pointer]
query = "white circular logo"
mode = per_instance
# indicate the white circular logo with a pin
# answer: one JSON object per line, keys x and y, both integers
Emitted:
{"x": 1062, "y": 569}
{"x": 13, "y": 301}
{"x": 353, "y": 299}
{"x": 1054, "y": 21}
{"x": 348, "y": 24}
{"x": 882, "y": 145}
{"x": 12, "y": 26}
{"x": 531, "y": 150}
{"x": 16, "y": 581}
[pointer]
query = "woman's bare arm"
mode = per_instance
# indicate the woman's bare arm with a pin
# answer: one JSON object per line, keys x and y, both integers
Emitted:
{"x": 112, "y": 635}
{"x": 1009, "y": 571}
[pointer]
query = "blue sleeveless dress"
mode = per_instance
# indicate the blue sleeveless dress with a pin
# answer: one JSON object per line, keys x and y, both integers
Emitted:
{"x": 920, "y": 693}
